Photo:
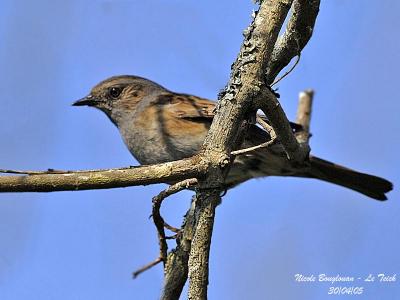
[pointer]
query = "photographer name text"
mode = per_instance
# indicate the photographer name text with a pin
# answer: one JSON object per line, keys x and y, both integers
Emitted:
{"x": 346, "y": 285}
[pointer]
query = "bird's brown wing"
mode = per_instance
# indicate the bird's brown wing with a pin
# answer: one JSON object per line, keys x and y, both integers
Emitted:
{"x": 200, "y": 111}
{"x": 185, "y": 116}
{"x": 191, "y": 107}
{"x": 195, "y": 114}
{"x": 196, "y": 108}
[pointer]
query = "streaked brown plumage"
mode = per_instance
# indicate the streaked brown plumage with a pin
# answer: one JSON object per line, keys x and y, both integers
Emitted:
{"x": 158, "y": 125}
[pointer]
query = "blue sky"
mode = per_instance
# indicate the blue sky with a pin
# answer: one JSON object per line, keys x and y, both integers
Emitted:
{"x": 84, "y": 245}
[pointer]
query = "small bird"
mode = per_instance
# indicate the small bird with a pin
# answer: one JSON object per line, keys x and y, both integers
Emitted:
{"x": 158, "y": 125}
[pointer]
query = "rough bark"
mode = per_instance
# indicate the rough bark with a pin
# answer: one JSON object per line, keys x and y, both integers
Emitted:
{"x": 176, "y": 268}
{"x": 298, "y": 32}
{"x": 244, "y": 92}
{"x": 104, "y": 179}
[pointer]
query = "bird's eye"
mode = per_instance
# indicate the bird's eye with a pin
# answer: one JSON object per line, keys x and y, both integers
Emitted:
{"x": 115, "y": 92}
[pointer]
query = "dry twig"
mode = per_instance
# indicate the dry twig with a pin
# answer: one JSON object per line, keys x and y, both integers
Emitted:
{"x": 147, "y": 267}
{"x": 160, "y": 223}
{"x": 158, "y": 219}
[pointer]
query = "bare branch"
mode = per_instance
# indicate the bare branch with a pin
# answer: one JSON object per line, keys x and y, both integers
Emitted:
{"x": 298, "y": 32}
{"x": 56, "y": 171}
{"x": 160, "y": 223}
{"x": 147, "y": 267}
{"x": 176, "y": 268}
{"x": 279, "y": 121}
{"x": 158, "y": 219}
{"x": 200, "y": 249}
{"x": 288, "y": 71}
{"x": 245, "y": 88}
{"x": 304, "y": 115}
{"x": 171, "y": 228}
{"x": 104, "y": 179}
{"x": 173, "y": 189}
{"x": 250, "y": 149}
{"x": 268, "y": 128}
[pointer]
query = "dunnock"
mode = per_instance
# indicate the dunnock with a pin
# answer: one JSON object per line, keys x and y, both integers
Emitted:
{"x": 158, "y": 125}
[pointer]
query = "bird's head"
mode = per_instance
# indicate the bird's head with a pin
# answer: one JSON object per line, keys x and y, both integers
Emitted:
{"x": 120, "y": 95}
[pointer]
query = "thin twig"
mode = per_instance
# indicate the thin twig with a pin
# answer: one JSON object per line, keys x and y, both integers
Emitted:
{"x": 268, "y": 128}
{"x": 171, "y": 228}
{"x": 160, "y": 223}
{"x": 289, "y": 71}
{"x": 147, "y": 267}
{"x": 298, "y": 32}
{"x": 172, "y": 237}
{"x": 158, "y": 219}
{"x": 246, "y": 150}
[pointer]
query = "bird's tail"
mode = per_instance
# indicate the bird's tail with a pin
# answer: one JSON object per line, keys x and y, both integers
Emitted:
{"x": 369, "y": 185}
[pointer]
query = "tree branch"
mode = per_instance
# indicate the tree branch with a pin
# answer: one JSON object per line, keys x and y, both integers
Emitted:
{"x": 303, "y": 116}
{"x": 147, "y": 267}
{"x": 298, "y": 32}
{"x": 176, "y": 268}
{"x": 200, "y": 249}
{"x": 105, "y": 179}
{"x": 158, "y": 219}
{"x": 245, "y": 89}
{"x": 160, "y": 223}
{"x": 297, "y": 152}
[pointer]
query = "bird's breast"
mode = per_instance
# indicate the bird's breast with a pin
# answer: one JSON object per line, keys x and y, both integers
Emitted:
{"x": 156, "y": 136}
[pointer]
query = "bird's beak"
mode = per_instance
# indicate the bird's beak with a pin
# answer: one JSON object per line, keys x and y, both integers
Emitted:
{"x": 88, "y": 100}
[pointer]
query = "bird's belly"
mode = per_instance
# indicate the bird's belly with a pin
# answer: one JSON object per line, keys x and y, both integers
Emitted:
{"x": 158, "y": 147}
